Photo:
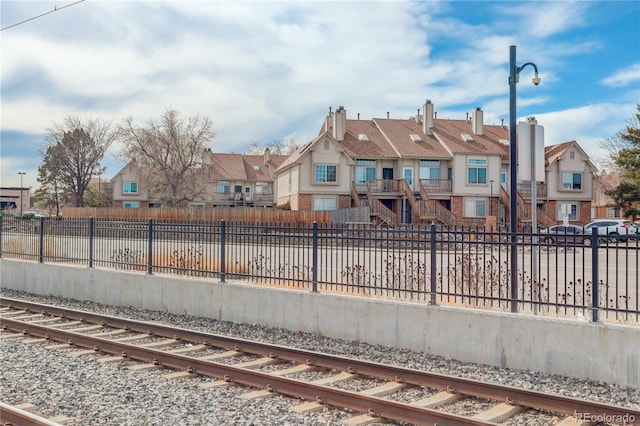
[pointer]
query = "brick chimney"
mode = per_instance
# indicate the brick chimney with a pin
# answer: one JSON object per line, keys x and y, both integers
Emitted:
{"x": 267, "y": 157}
{"x": 476, "y": 121}
{"x": 427, "y": 122}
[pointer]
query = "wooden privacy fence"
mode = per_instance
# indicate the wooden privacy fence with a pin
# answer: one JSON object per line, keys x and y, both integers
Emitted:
{"x": 246, "y": 215}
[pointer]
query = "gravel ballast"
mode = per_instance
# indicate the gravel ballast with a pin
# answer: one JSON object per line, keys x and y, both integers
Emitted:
{"x": 94, "y": 393}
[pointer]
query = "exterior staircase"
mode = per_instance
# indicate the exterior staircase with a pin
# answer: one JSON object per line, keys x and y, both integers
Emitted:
{"x": 434, "y": 208}
{"x": 524, "y": 209}
{"x": 379, "y": 212}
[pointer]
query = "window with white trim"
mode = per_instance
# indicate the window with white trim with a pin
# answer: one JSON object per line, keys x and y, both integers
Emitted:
{"x": 129, "y": 187}
{"x": 326, "y": 173}
{"x": 365, "y": 170}
{"x": 475, "y": 207}
{"x": 224, "y": 187}
{"x": 477, "y": 171}
{"x": 262, "y": 188}
{"x": 429, "y": 169}
{"x": 572, "y": 181}
{"x": 131, "y": 204}
{"x": 325, "y": 203}
{"x": 568, "y": 209}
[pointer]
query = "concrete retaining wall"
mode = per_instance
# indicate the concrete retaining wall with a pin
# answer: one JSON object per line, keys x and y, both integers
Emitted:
{"x": 609, "y": 353}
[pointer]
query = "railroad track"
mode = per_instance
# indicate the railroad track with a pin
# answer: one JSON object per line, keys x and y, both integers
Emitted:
{"x": 272, "y": 369}
{"x": 22, "y": 416}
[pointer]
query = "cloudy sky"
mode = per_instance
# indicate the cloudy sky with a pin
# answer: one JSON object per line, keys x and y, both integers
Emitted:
{"x": 270, "y": 70}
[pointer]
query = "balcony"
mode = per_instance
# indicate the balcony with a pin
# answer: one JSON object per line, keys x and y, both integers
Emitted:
{"x": 525, "y": 190}
{"x": 436, "y": 185}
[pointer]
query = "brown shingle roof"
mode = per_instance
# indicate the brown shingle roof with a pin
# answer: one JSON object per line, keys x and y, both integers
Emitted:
{"x": 399, "y": 132}
{"x": 375, "y": 147}
{"x": 553, "y": 152}
{"x": 450, "y": 133}
{"x": 241, "y": 167}
{"x": 391, "y": 138}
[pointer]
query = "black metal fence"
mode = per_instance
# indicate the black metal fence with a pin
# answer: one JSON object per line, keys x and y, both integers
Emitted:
{"x": 590, "y": 278}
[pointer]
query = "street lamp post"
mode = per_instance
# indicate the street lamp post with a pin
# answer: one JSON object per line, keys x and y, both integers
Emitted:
{"x": 21, "y": 199}
{"x": 514, "y": 75}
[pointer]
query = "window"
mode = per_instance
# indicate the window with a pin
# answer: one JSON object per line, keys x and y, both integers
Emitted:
{"x": 129, "y": 187}
{"x": 324, "y": 203}
{"x": 474, "y": 207}
{"x": 572, "y": 181}
{"x": 262, "y": 188}
{"x": 613, "y": 212}
{"x": 224, "y": 187}
{"x": 429, "y": 169}
{"x": 503, "y": 177}
{"x": 131, "y": 205}
{"x": 155, "y": 205}
{"x": 326, "y": 173}
{"x": 568, "y": 209}
{"x": 237, "y": 189}
{"x": 365, "y": 170}
{"x": 196, "y": 205}
{"x": 476, "y": 171}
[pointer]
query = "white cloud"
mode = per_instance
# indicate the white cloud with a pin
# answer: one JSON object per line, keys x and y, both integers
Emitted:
{"x": 624, "y": 76}
{"x": 588, "y": 125}
{"x": 269, "y": 70}
{"x": 542, "y": 19}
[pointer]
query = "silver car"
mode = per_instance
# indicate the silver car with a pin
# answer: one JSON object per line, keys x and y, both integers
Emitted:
{"x": 613, "y": 229}
{"x": 565, "y": 234}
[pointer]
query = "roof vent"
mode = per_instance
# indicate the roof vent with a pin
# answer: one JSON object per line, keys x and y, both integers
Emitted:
{"x": 416, "y": 138}
{"x": 363, "y": 137}
{"x": 466, "y": 137}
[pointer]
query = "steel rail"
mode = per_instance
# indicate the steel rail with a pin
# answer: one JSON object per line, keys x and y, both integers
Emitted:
{"x": 312, "y": 392}
{"x": 10, "y": 416}
{"x": 527, "y": 398}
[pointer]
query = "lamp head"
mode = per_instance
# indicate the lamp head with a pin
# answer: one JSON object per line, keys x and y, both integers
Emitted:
{"x": 536, "y": 80}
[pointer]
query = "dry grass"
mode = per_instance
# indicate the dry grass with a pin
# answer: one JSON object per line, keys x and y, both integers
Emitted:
{"x": 192, "y": 262}
{"x": 18, "y": 248}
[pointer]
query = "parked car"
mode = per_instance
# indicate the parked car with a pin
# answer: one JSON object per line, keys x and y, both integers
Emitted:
{"x": 565, "y": 234}
{"x": 32, "y": 215}
{"x": 613, "y": 229}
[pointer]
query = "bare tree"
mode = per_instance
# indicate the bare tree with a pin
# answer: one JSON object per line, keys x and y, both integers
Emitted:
{"x": 276, "y": 147}
{"x": 623, "y": 140}
{"x": 169, "y": 155}
{"x": 72, "y": 153}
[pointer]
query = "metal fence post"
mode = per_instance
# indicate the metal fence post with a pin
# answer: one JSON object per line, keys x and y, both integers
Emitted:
{"x": 1, "y": 232}
{"x": 594, "y": 274}
{"x": 41, "y": 248}
{"x": 150, "y": 247}
{"x": 314, "y": 259}
{"x": 432, "y": 254}
{"x": 223, "y": 237}
{"x": 91, "y": 242}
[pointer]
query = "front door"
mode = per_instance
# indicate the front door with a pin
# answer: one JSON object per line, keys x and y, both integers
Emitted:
{"x": 407, "y": 173}
{"x": 387, "y": 173}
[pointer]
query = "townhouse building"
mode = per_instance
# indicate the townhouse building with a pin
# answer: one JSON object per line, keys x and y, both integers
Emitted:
{"x": 602, "y": 205}
{"x": 424, "y": 169}
{"x": 415, "y": 170}
{"x": 230, "y": 180}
